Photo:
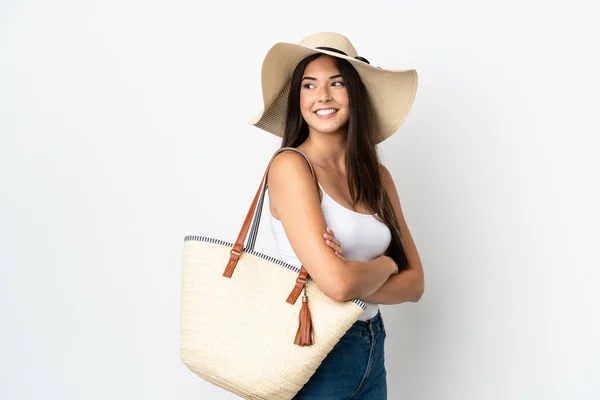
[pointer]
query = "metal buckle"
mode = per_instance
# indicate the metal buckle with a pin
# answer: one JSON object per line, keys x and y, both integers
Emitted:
{"x": 300, "y": 280}
{"x": 237, "y": 253}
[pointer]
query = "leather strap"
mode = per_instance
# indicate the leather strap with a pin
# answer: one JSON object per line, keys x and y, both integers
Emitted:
{"x": 300, "y": 282}
{"x": 237, "y": 249}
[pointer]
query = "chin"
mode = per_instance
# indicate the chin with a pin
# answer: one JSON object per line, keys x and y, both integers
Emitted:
{"x": 327, "y": 127}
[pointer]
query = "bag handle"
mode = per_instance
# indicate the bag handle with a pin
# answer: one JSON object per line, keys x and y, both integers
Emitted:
{"x": 255, "y": 211}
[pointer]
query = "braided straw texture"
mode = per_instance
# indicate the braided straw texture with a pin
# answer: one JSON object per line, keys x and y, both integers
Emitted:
{"x": 238, "y": 332}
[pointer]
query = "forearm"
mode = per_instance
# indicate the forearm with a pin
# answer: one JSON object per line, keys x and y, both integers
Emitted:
{"x": 364, "y": 278}
{"x": 407, "y": 286}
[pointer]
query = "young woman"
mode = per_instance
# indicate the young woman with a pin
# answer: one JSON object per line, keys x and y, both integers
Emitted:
{"x": 350, "y": 234}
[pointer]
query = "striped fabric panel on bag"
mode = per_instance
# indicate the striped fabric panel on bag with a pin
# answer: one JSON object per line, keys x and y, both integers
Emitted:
{"x": 277, "y": 261}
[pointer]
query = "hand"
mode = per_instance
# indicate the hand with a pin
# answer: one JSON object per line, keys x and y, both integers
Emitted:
{"x": 393, "y": 263}
{"x": 332, "y": 242}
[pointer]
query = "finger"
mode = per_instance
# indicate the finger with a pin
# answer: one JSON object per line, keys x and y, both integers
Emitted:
{"x": 331, "y": 244}
{"x": 332, "y": 237}
{"x": 335, "y": 246}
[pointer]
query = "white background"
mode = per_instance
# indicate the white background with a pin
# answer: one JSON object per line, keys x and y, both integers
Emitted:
{"x": 123, "y": 128}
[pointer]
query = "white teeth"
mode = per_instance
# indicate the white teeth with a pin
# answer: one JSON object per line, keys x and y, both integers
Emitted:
{"x": 326, "y": 112}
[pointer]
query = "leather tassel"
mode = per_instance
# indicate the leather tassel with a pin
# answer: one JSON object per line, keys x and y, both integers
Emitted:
{"x": 304, "y": 335}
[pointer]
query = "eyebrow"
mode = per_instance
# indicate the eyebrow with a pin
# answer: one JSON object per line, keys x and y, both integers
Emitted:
{"x": 314, "y": 79}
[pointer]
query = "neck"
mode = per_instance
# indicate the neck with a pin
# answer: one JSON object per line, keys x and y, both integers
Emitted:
{"x": 327, "y": 149}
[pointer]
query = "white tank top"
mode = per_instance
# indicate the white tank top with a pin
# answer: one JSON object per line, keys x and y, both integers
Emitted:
{"x": 362, "y": 236}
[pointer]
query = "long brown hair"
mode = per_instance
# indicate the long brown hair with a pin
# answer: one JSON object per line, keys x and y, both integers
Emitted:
{"x": 362, "y": 159}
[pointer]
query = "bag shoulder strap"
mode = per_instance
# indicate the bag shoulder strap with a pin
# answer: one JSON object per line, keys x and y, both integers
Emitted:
{"x": 236, "y": 251}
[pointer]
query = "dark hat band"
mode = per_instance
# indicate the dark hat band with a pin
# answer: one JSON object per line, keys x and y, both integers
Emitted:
{"x": 359, "y": 58}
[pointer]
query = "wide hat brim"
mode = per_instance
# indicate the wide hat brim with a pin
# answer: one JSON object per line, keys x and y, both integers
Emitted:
{"x": 391, "y": 92}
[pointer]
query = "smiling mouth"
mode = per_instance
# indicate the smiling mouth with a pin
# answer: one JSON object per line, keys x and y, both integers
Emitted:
{"x": 326, "y": 112}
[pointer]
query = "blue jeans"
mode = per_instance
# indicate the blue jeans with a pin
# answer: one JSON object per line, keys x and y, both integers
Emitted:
{"x": 355, "y": 367}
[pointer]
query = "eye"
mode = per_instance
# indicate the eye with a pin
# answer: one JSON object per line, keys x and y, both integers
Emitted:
{"x": 338, "y": 83}
{"x": 307, "y": 85}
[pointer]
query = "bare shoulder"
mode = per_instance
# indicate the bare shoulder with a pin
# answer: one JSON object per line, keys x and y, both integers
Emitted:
{"x": 286, "y": 165}
{"x": 386, "y": 176}
{"x": 289, "y": 176}
{"x": 390, "y": 187}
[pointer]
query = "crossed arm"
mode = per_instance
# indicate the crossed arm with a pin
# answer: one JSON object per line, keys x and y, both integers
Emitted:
{"x": 407, "y": 286}
{"x": 295, "y": 198}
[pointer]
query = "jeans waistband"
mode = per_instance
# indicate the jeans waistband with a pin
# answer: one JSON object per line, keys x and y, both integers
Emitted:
{"x": 369, "y": 327}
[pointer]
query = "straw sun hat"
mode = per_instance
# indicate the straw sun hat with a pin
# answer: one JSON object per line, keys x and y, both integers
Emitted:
{"x": 392, "y": 92}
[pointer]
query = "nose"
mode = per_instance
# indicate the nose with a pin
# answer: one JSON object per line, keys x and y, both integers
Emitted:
{"x": 324, "y": 94}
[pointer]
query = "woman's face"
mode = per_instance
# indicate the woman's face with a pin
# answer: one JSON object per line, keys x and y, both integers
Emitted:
{"x": 324, "y": 102}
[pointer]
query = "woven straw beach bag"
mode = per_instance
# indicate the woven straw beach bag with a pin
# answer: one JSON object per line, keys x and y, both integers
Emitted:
{"x": 241, "y": 326}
